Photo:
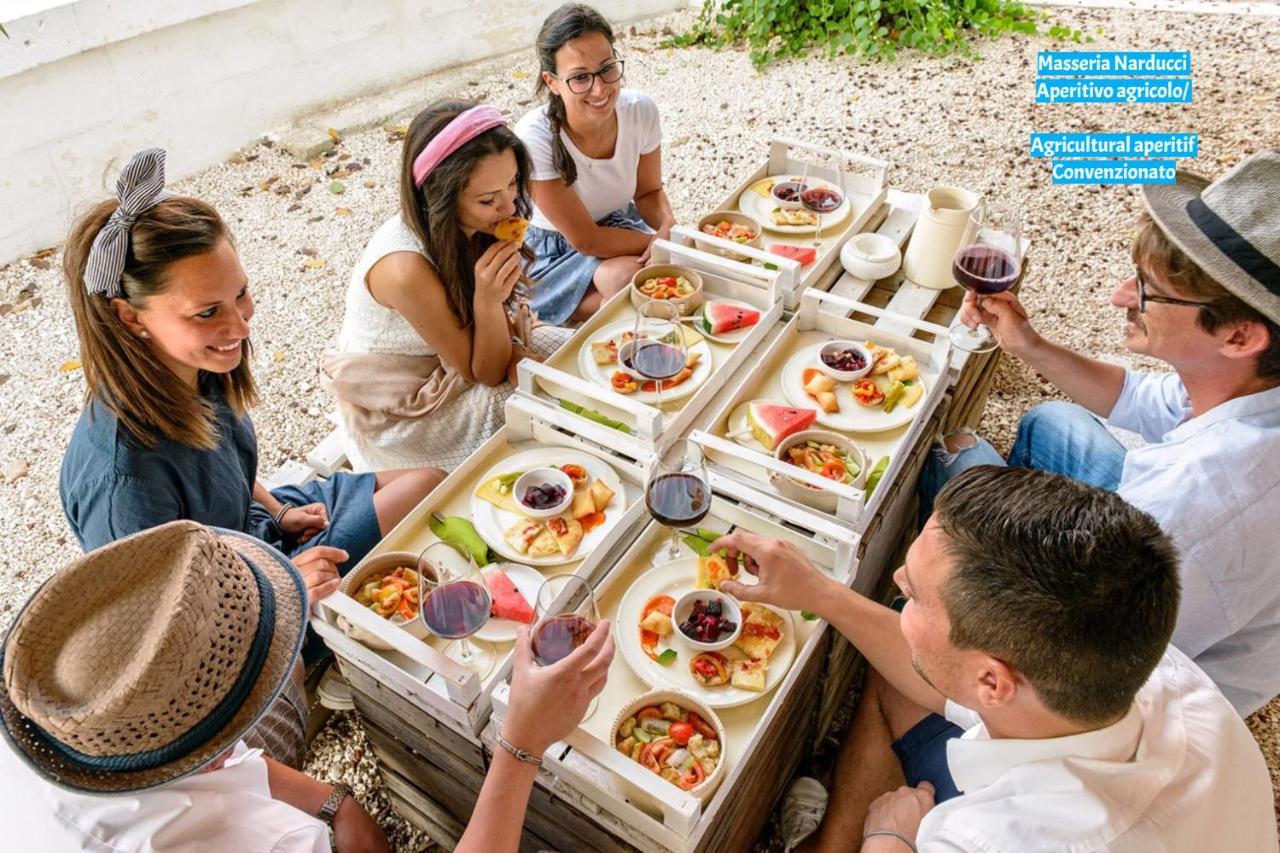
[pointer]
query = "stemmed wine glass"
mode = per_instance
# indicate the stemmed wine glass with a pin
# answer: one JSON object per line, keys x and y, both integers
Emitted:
{"x": 988, "y": 262}
{"x": 455, "y": 604}
{"x": 658, "y": 352}
{"x": 819, "y": 200}
{"x": 566, "y": 615}
{"x": 678, "y": 492}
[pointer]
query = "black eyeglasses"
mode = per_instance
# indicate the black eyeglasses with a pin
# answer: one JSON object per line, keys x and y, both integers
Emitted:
{"x": 1144, "y": 297}
{"x": 580, "y": 84}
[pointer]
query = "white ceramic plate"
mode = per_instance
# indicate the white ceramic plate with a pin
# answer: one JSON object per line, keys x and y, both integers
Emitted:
{"x": 675, "y": 579}
{"x": 759, "y": 208}
{"x": 491, "y": 522}
{"x": 728, "y": 337}
{"x": 852, "y": 417}
{"x": 602, "y": 374}
{"x": 528, "y": 581}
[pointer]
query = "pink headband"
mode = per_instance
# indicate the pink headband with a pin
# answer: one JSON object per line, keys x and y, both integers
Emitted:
{"x": 465, "y": 127}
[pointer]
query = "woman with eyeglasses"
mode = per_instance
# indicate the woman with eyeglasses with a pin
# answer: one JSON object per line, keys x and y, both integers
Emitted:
{"x": 596, "y": 152}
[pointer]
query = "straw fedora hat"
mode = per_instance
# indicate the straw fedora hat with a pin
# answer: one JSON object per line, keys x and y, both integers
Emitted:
{"x": 145, "y": 660}
{"x": 1230, "y": 227}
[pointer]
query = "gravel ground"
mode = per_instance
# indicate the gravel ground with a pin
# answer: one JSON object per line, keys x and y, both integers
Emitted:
{"x": 939, "y": 121}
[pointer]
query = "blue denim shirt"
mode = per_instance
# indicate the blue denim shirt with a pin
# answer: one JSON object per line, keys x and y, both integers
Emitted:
{"x": 112, "y": 485}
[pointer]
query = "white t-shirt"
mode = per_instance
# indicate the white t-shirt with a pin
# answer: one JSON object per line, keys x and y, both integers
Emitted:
{"x": 227, "y": 809}
{"x": 1180, "y": 772}
{"x": 603, "y": 185}
{"x": 1213, "y": 483}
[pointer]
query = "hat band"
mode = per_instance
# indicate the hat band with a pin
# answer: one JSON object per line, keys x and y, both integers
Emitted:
{"x": 1234, "y": 245}
{"x": 213, "y": 722}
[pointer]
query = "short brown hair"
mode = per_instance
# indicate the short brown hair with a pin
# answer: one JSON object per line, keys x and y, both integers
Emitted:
{"x": 1156, "y": 254}
{"x": 121, "y": 371}
{"x": 1074, "y": 587}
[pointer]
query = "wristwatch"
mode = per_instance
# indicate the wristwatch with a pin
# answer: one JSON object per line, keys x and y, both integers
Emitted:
{"x": 341, "y": 791}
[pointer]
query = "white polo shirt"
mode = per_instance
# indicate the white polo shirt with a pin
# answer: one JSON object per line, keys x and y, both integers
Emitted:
{"x": 1213, "y": 484}
{"x": 1180, "y": 772}
{"x": 227, "y": 809}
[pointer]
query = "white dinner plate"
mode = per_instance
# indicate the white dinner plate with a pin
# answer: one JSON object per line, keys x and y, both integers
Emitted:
{"x": 602, "y": 374}
{"x": 759, "y": 208}
{"x": 675, "y": 579}
{"x": 852, "y": 416}
{"x": 491, "y": 522}
{"x": 527, "y": 581}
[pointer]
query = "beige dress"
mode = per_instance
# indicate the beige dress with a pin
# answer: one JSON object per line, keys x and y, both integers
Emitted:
{"x": 459, "y": 416}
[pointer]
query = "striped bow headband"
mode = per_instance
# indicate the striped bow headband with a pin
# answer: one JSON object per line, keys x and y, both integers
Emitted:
{"x": 140, "y": 188}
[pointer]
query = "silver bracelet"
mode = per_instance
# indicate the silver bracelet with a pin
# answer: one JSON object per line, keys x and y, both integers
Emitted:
{"x": 520, "y": 754}
{"x": 891, "y": 834}
{"x": 279, "y": 516}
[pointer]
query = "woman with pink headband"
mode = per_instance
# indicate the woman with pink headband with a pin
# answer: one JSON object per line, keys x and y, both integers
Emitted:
{"x": 596, "y": 150}
{"x": 427, "y": 353}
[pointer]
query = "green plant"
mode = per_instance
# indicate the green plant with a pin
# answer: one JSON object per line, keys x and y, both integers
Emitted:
{"x": 876, "y": 29}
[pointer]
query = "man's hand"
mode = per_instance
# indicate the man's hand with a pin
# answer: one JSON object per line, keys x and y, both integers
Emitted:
{"x": 303, "y": 522}
{"x": 900, "y": 811}
{"x": 319, "y": 569}
{"x": 787, "y": 578}
{"x": 1005, "y": 316}
{"x": 548, "y": 702}
{"x": 354, "y": 831}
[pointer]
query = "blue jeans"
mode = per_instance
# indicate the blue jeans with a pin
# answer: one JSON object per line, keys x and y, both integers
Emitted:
{"x": 1059, "y": 437}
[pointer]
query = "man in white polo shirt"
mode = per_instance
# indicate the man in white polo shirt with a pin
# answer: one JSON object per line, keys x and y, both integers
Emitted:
{"x": 1038, "y": 620}
{"x": 1204, "y": 298}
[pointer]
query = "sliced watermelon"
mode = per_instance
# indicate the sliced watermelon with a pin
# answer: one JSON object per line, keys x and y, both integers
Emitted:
{"x": 795, "y": 253}
{"x": 719, "y": 318}
{"x": 772, "y": 422}
{"x": 508, "y": 603}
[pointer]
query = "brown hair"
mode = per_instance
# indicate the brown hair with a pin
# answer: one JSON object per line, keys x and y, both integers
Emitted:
{"x": 1068, "y": 583}
{"x": 1156, "y": 254}
{"x": 121, "y": 371}
{"x": 570, "y": 21}
{"x": 430, "y": 212}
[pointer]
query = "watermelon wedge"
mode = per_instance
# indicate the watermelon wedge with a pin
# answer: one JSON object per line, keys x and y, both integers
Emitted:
{"x": 795, "y": 253}
{"x": 508, "y": 603}
{"x": 772, "y": 422}
{"x": 719, "y": 318}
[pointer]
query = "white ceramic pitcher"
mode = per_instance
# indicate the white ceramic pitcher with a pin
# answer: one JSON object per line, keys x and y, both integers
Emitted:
{"x": 943, "y": 225}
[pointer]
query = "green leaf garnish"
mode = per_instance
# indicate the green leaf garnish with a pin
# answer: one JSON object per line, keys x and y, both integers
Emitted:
{"x": 667, "y": 657}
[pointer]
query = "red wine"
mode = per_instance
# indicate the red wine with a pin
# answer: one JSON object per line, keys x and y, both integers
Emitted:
{"x": 821, "y": 199}
{"x": 985, "y": 269}
{"x": 456, "y": 610}
{"x": 558, "y": 636}
{"x": 678, "y": 500}
{"x": 654, "y": 360}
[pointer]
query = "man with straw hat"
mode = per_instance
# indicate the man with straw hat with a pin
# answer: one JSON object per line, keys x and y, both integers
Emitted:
{"x": 132, "y": 676}
{"x": 1204, "y": 297}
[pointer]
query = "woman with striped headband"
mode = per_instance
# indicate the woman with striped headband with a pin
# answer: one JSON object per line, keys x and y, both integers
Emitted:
{"x": 426, "y": 356}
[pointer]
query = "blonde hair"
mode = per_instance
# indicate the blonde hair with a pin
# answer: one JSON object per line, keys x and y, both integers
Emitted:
{"x": 121, "y": 371}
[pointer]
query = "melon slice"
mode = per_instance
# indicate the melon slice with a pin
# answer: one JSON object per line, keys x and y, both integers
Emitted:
{"x": 772, "y": 422}
{"x": 508, "y": 603}
{"x": 802, "y": 254}
{"x": 720, "y": 318}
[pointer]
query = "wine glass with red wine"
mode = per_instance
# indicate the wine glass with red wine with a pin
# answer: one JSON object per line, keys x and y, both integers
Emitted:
{"x": 819, "y": 200}
{"x": 455, "y": 604}
{"x": 658, "y": 352}
{"x": 566, "y": 615}
{"x": 990, "y": 262}
{"x": 678, "y": 492}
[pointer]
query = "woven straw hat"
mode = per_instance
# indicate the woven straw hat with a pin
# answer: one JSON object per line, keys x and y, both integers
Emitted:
{"x": 145, "y": 660}
{"x": 1230, "y": 228}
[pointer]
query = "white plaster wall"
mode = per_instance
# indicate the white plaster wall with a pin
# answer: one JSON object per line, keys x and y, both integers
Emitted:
{"x": 84, "y": 84}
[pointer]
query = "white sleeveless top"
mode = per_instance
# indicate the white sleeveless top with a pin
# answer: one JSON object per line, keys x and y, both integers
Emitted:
{"x": 369, "y": 326}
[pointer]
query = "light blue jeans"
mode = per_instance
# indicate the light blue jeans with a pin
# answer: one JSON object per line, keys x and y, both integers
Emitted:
{"x": 1060, "y": 437}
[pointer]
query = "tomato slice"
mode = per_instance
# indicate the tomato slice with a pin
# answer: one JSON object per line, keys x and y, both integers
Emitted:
{"x": 694, "y": 777}
{"x": 700, "y": 726}
{"x": 648, "y": 713}
{"x": 833, "y": 470}
{"x": 681, "y": 732}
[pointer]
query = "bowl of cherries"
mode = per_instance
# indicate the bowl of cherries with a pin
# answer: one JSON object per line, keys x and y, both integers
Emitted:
{"x": 707, "y": 620}
{"x": 543, "y": 492}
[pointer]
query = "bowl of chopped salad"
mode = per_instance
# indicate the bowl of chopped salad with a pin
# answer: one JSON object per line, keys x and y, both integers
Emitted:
{"x": 675, "y": 736}
{"x": 826, "y": 454}
{"x": 728, "y": 225}
{"x": 678, "y": 285}
{"x": 386, "y": 584}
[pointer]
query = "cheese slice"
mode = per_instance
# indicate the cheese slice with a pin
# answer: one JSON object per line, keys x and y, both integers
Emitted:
{"x": 749, "y": 675}
{"x": 491, "y": 491}
{"x": 763, "y": 187}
